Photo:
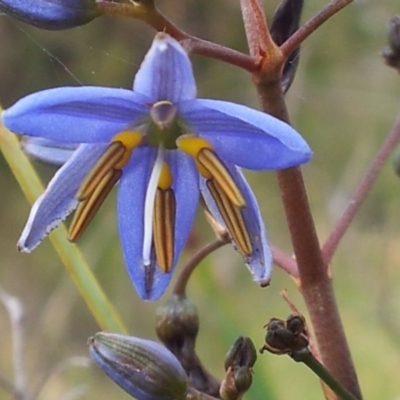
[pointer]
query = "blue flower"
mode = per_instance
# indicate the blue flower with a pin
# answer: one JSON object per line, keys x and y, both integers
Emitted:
{"x": 51, "y": 14}
{"x": 165, "y": 147}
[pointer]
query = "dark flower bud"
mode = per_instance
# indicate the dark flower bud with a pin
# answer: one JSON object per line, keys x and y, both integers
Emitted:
{"x": 143, "y": 368}
{"x": 242, "y": 353}
{"x": 285, "y": 22}
{"x": 391, "y": 54}
{"x": 177, "y": 321}
{"x": 239, "y": 369}
{"x": 51, "y": 14}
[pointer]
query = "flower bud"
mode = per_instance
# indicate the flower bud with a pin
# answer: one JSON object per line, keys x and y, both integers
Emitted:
{"x": 51, "y": 14}
{"x": 177, "y": 321}
{"x": 391, "y": 54}
{"x": 143, "y": 368}
{"x": 239, "y": 364}
{"x": 285, "y": 22}
{"x": 242, "y": 353}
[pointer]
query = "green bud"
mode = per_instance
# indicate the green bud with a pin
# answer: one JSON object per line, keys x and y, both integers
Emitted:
{"x": 177, "y": 321}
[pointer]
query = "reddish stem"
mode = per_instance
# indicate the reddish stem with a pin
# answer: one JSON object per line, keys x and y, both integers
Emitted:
{"x": 331, "y": 244}
{"x": 183, "y": 279}
{"x": 149, "y": 14}
{"x": 313, "y": 24}
{"x": 285, "y": 262}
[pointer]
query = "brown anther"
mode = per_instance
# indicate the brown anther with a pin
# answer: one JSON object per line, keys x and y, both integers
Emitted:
{"x": 88, "y": 208}
{"x": 163, "y": 228}
{"x": 210, "y": 161}
{"x": 233, "y": 218}
{"x": 104, "y": 165}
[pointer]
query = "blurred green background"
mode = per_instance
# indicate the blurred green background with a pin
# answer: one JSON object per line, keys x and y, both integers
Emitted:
{"x": 344, "y": 100}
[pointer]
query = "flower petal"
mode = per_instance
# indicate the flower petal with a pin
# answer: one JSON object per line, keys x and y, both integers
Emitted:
{"x": 166, "y": 72}
{"x": 48, "y": 151}
{"x": 58, "y": 201}
{"x": 76, "y": 114}
{"x": 149, "y": 281}
{"x": 260, "y": 261}
{"x": 245, "y": 137}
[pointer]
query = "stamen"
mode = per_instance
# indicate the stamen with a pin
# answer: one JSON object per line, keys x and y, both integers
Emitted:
{"x": 116, "y": 156}
{"x": 163, "y": 226}
{"x": 220, "y": 174}
{"x": 130, "y": 140}
{"x": 233, "y": 218}
{"x": 88, "y": 208}
{"x": 149, "y": 206}
{"x": 210, "y": 166}
{"x": 103, "y": 166}
{"x": 192, "y": 145}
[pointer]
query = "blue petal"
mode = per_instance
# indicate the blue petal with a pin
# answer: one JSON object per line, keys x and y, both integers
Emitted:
{"x": 76, "y": 114}
{"x": 166, "y": 72}
{"x": 260, "y": 261}
{"x": 48, "y": 151}
{"x": 54, "y": 14}
{"x": 149, "y": 281}
{"x": 245, "y": 137}
{"x": 58, "y": 201}
{"x": 186, "y": 189}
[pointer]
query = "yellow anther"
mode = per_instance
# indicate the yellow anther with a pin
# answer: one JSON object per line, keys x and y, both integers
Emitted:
{"x": 165, "y": 180}
{"x": 192, "y": 145}
{"x": 130, "y": 140}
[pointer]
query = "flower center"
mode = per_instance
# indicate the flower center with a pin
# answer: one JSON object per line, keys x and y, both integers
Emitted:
{"x": 165, "y": 127}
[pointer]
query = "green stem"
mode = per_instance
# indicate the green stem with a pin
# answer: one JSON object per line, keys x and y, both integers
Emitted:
{"x": 98, "y": 303}
{"x": 312, "y": 25}
{"x": 305, "y": 356}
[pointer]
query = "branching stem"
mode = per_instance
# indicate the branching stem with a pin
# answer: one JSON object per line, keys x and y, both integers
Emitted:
{"x": 356, "y": 201}
{"x": 312, "y": 25}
